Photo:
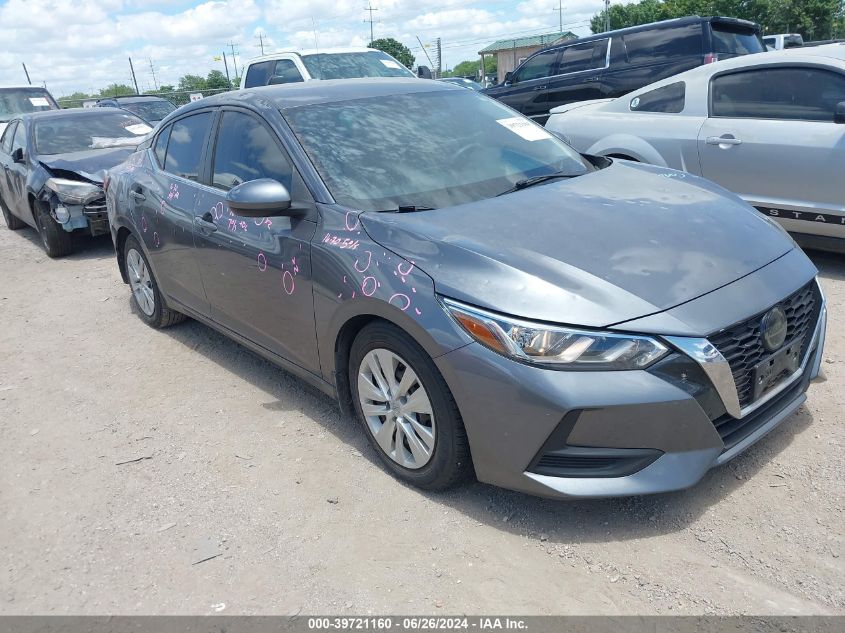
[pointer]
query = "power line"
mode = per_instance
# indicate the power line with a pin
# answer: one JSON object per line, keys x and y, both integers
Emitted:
{"x": 370, "y": 8}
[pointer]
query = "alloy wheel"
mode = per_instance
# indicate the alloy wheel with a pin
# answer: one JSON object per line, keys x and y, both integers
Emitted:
{"x": 396, "y": 408}
{"x": 140, "y": 282}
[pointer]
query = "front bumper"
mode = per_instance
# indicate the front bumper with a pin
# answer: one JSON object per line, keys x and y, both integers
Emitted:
{"x": 606, "y": 434}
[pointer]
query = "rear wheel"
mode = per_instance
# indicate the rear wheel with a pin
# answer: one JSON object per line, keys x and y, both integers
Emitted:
{"x": 407, "y": 410}
{"x": 145, "y": 293}
{"x": 57, "y": 242}
{"x": 12, "y": 221}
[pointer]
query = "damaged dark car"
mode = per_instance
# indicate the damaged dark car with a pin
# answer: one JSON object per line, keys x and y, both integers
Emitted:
{"x": 53, "y": 167}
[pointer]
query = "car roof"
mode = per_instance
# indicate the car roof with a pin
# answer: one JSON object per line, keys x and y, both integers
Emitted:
{"x": 293, "y": 95}
{"x": 23, "y": 88}
{"x": 311, "y": 51}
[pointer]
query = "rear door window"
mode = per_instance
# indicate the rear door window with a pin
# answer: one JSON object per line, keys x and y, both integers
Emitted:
{"x": 732, "y": 40}
{"x": 802, "y": 94}
{"x": 184, "y": 149}
{"x": 668, "y": 99}
{"x": 541, "y": 65}
{"x": 587, "y": 56}
{"x": 258, "y": 74}
{"x": 286, "y": 72}
{"x": 247, "y": 150}
{"x": 161, "y": 145}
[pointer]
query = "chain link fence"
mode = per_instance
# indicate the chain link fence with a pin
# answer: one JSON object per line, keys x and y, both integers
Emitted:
{"x": 178, "y": 98}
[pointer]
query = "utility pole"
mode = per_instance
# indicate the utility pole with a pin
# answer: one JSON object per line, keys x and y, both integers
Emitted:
{"x": 26, "y": 72}
{"x": 234, "y": 59}
{"x": 260, "y": 37}
{"x": 135, "y": 81}
{"x": 606, "y": 15}
{"x": 439, "y": 59}
{"x": 371, "y": 8}
{"x": 560, "y": 13}
{"x": 226, "y": 66}
{"x": 153, "y": 71}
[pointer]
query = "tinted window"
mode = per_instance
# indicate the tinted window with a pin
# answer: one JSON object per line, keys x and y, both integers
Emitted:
{"x": 729, "y": 41}
{"x": 17, "y": 101}
{"x": 352, "y": 65}
{"x": 161, "y": 145}
{"x": 246, "y": 150}
{"x": 541, "y": 65}
{"x": 807, "y": 94}
{"x": 258, "y": 74}
{"x": 286, "y": 72}
{"x": 661, "y": 44}
{"x": 8, "y": 135}
{"x": 97, "y": 129}
{"x": 666, "y": 99}
{"x": 583, "y": 57}
{"x": 184, "y": 150}
{"x": 153, "y": 110}
{"x": 433, "y": 149}
{"x": 19, "y": 141}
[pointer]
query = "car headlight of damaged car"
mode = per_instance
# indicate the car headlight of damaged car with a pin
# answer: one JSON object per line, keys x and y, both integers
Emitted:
{"x": 556, "y": 346}
{"x": 74, "y": 191}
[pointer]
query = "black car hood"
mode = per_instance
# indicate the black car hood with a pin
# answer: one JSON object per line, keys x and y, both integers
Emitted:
{"x": 90, "y": 164}
{"x": 597, "y": 250}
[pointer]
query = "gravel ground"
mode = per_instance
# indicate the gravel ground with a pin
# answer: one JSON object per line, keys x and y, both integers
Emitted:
{"x": 161, "y": 472}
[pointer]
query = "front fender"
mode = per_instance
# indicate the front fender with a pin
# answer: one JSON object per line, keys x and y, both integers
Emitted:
{"x": 627, "y": 145}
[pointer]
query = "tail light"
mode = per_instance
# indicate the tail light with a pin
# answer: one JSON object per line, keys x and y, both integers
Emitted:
{"x": 709, "y": 58}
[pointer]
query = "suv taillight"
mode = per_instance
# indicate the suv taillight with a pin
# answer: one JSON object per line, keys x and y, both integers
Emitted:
{"x": 709, "y": 58}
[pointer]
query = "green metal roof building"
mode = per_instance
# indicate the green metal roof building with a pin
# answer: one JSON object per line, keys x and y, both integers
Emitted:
{"x": 511, "y": 52}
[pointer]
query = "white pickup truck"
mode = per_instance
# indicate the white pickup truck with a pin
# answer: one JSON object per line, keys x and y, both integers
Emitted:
{"x": 323, "y": 63}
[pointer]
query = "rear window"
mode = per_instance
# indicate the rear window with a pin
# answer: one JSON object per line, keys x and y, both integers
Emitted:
{"x": 669, "y": 99}
{"x": 354, "y": 65}
{"x": 662, "y": 44}
{"x": 153, "y": 110}
{"x": 730, "y": 40}
{"x": 258, "y": 74}
{"x": 17, "y": 101}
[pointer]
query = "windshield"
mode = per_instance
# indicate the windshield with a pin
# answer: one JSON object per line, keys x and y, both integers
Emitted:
{"x": 17, "y": 101}
{"x": 77, "y": 133}
{"x": 152, "y": 110}
{"x": 434, "y": 149}
{"x": 729, "y": 40}
{"x": 354, "y": 65}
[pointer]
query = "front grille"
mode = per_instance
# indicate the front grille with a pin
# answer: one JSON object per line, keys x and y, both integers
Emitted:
{"x": 742, "y": 345}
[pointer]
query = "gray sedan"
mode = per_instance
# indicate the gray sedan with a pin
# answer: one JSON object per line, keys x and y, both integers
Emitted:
{"x": 763, "y": 126}
{"x": 482, "y": 299}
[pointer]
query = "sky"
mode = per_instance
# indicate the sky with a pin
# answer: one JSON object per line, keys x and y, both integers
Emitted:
{"x": 85, "y": 45}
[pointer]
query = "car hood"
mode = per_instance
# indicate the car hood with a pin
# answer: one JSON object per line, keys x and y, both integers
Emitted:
{"x": 612, "y": 245}
{"x": 90, "y": 164}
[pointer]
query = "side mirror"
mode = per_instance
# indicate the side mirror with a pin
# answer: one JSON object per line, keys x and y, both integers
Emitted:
{"x": 17, "y": 155}
{"x": 508, "y": 78}
{"x": 423, "y": 72}
{"x": 260, "y": 198}
{"x": 839, "y": 113}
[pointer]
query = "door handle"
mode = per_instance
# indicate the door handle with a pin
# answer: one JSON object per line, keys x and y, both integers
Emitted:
{"x": 594, "y": 78}
{"x": 136, "y": 195}
{"x": 205, "y": 223}
{"x": 540, "y": 88}
{"x": 723, "y": 140}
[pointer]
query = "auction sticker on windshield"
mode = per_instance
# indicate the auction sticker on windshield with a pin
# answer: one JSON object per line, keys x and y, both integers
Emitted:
{"x": 526, "y": 129}
{"x": 139, "y": 128}
{"x": 390, "y": 63}
{"x": 39, "y": 102}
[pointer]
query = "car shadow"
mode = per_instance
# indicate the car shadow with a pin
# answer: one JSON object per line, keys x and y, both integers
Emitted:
{"x": 84, "y": 246}
{"x": 830, "y": 265}
{"x": 547, "y": 520}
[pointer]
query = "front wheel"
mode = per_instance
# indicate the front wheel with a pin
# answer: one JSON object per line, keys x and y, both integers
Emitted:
{"x": 57, "y": 242}
{"x": 406, "y": 408}
{"x": 145, "y": 292}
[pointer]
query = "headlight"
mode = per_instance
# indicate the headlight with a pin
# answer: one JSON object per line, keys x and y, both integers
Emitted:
{"x": 555, "y": 346}
{"x": 74, "y": 191}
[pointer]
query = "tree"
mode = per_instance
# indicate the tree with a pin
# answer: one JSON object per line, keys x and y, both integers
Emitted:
{"x": 115, "y": 90}
{"x": 216, "y": 80}
{"x": 76, "y": 96}
{"x": 470, "y": 68}
{"x": 396, "y": 49}
{"x": 813, "y": 19}
{"x": 192, "y": 82}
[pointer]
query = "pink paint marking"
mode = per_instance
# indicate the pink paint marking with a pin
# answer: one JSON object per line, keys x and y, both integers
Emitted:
{"x": 417, "y": 310}
{"x": 401, "y": 299}
{"x": 405, "y": 273}
{"x": 413, "y": 289}
{"x": 143, "y": 224}
{"x": 369, "y": 261}
{"x": 355, "y": 217}
{"x": 262, "y": 262}
{"x": 287, "y": 280}
{"x": 370, "y": 284}
{"x": 156, "y": 240}
{"x": 217, "y": 210}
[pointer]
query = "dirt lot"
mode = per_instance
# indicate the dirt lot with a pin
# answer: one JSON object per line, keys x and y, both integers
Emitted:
{"x": 245, "y": 468}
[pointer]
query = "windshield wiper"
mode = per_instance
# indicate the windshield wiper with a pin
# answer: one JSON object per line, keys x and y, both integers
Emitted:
{"x": 536, "y": 180}
{"x": 407, "y": 208}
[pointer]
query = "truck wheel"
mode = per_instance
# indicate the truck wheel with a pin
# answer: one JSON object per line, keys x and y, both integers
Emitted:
{"x": 57, "y": 242}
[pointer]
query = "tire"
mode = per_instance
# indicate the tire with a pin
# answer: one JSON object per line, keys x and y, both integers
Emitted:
{"x": 146, "y": 296}
{"x": 448, "y": 462}
{"x": 57, "y": 242}
{"x": 13, "y": 222}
